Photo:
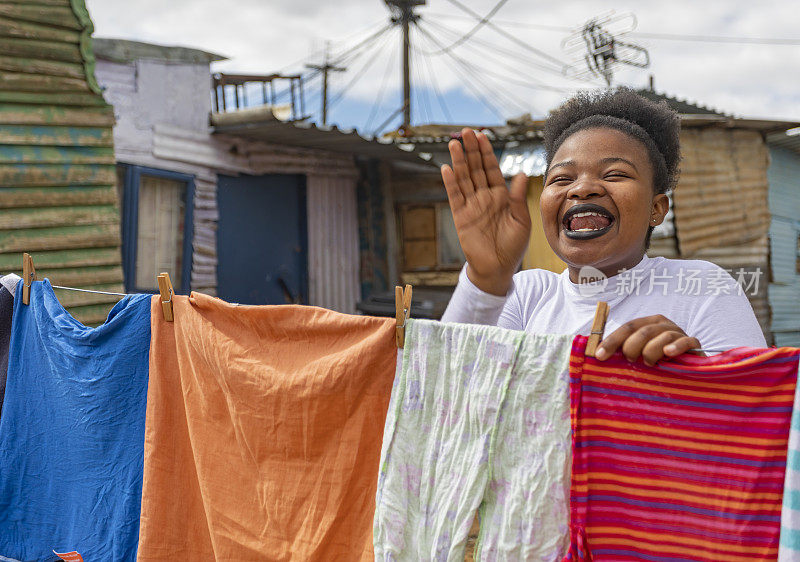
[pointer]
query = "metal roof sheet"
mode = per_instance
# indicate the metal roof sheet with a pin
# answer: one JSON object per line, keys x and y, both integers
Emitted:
{"x": 789, "y": 139}
{"x": 683, "y": 107}
{"x": 123, "y": 50}
{"x": 267, "y": 128}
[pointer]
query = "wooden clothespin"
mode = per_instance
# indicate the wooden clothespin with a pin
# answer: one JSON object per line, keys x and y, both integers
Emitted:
{"x": 165, "y": 288}
{"x": 28, "y": 277}
{"x": 402, "y": 306}
{"x": 598, "y": 327}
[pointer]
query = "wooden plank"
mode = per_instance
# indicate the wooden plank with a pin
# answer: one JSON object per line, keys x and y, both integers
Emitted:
{"x": 80, "y": 276}
{"x": 58, "y": 135}
{"x": 56, "y": 16}
{"x": 56, "y": 155}
{"x": 40, "y": 66}
{"x": 22, "y": 82}
{"x": 16, "y": 219}
{"x": 86, "y": 258}
{"x": 419, "y": 254}
{"x": 419, "y": 223}
{"x": 38, "y": 49}
{"x": 80, "y": 99}
{"x": 83, "y": 276}
{"x": 38, "y": 2}
{"x": 13, "y": 114}
{"x": 43, "y": 175}
{"x": 28, "y": 30}
{"x": 430, "y": 278}
{"x": 15, "y": 197}
{"x": 60, "y": 238}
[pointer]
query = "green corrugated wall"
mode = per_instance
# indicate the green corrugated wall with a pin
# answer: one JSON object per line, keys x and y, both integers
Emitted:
{"x": 58, "y": 199}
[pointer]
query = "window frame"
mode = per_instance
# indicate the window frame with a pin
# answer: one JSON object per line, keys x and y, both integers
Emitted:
{"x": 439, "y": 267}
{"x": 130, "y": 224}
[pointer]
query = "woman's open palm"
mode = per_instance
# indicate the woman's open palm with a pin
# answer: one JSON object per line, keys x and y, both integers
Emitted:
{"x": 493, "y": 222}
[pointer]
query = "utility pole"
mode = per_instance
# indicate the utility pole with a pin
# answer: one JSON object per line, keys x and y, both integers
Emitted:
{"x": 404, "y": 15}
{"x": 325, "y": 68}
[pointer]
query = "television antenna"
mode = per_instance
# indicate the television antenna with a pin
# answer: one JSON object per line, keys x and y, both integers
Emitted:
{"x": 597, "y": 47}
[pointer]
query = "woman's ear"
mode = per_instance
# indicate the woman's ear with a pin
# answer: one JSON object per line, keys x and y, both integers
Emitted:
{"x": 660, "y": 209}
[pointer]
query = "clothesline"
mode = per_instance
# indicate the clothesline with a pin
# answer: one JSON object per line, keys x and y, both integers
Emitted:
{"x": 500, "y": 396}
{"x": 90, "y": 291}
{"x": 400, "y": 326}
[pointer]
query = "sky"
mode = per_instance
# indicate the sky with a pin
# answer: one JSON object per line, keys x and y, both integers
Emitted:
{"x": 531, "y": 66}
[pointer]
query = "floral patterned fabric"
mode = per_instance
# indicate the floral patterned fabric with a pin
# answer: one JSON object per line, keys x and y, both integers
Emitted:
{"x": 479, "y": 419}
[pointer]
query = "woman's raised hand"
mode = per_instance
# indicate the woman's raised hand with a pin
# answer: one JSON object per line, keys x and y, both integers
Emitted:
{"x": 493, "y": 222}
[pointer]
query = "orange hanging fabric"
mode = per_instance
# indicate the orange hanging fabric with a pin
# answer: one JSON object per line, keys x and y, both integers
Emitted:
{"x": 263, "y": 432}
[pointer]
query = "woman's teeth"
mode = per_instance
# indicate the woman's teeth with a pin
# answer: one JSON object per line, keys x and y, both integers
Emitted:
{"x": 588, "y": 222}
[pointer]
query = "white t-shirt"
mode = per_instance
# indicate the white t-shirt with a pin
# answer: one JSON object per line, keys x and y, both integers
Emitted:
{"x": 700, "y": 297}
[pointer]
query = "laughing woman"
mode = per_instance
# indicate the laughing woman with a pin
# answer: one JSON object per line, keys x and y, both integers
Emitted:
{"x": 611, "y": 159}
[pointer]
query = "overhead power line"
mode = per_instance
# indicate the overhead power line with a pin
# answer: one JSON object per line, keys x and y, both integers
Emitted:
{"x": 422, "y": 93}
{"x": 666, "y": 36}
{"x": 474, "y": 30}
{"x": 434, "y": 83}
{"x": 744, "y": 40}
{"x": 718, "y": 39}
{"x": 490, "y": 53}
{"x": 320, "y": 52}
{"x": 379, "y": 98}
{"x": 479, "y": 74}
{"x": 472, "y": 78}
{"x": 560, "y": 64}
{"x": 359, "y": 73}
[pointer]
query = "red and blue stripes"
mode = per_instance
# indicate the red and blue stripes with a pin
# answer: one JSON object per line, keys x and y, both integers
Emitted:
{"x": 681, "y": 461}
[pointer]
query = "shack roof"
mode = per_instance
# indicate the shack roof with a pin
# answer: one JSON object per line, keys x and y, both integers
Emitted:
{"x": 124, "y": 50}
{"x": 789, "y": 139}
{"x": 527, "y": 129}
{"x": 533, "y": 130}
{"x": 262, "y": 125}
{"x": 682, "y": 106}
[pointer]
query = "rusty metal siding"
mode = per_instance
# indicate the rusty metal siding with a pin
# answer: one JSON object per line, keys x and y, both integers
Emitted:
{"x": 784, "y": 203}
{"x": 720, "y": 208}
{"x": 721, "y": 198}
{"x": 333, "y": 257}
{"x": 57, "y": 167}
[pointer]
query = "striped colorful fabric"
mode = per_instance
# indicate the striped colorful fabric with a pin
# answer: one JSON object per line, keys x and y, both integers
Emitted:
{"x": 682, "y": 461}
{"x": 790, "y": 515}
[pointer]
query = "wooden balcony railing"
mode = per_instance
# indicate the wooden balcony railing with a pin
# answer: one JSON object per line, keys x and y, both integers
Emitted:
{"x": 239, "y": 91}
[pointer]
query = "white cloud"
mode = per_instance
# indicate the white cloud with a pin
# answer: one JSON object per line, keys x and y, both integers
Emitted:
{"x": 262, "y": 37}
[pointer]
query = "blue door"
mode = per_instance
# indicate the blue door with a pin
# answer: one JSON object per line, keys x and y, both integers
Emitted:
{"x": 261, "y": 239}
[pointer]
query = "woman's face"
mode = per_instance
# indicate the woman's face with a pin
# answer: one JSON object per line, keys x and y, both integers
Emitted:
{"x": 598, "y": 201}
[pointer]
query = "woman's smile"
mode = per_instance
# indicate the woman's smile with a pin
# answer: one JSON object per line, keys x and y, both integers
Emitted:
{"x": 585, "y": 221}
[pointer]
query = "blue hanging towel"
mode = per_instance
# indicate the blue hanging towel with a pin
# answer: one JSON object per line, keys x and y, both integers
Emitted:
{"x": 72, "y": 430}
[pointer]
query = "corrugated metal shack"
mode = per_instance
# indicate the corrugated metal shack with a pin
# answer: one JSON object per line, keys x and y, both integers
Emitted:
{"x": 56, "y": 154}
{"x": 722, "y": 202}
{"x": 784, "y": 235}
{"x": 166, "y": 129}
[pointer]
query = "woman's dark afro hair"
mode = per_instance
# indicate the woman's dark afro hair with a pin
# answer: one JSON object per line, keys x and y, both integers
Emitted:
{"x": 653, "y": 124}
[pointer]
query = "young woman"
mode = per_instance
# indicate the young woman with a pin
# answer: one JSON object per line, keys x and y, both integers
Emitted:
{"x": 611, "y": 158}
